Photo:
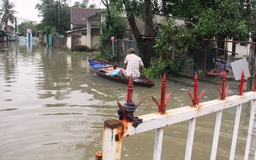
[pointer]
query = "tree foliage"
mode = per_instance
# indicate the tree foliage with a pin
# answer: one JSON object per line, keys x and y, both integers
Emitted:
{"x": 222, "y": 21}
{"x": 218, "y": 19}
{"x": 23, "y": 31}
{"x": 84, "y": 4}
{"x": 6, "y": 8}
{"x": 214, "y": 18}
{"x": 55, "y": 16}
{"x": 115, "y": 25}
{"x": 174, "y": 35}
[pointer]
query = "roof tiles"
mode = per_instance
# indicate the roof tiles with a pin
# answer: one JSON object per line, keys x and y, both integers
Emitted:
{"x": 79, "y": 15}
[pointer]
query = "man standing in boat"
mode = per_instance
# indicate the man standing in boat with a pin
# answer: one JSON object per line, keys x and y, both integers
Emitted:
{"x": 134, "y": 63}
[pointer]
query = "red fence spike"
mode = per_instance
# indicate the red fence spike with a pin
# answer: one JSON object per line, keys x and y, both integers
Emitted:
{"x": 241, "y": 85}
{"x": 196, "y": 89}
{"x": 126, "y": 110}
{"x": 224, "y": 90}
{"x": 129, "y": 91}
{"x": 196, "y": 98}
{"x": 163, "y": 89}
{"x": 163, "y": 100}
{"x": 121, "y": 108}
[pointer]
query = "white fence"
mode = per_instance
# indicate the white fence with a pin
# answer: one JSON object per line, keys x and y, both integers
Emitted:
{"x": 115, "y": 130}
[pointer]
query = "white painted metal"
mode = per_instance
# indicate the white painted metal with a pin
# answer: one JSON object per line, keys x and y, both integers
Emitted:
{"x": 111, "y": 149}
{"x": 216, "y": 135}
{"x": 190, "y": 139}
{"x": 157, "y": 121}
{"x": 173, "y": 116}
{"x": 158, "y": 143}
{"x": 235, "y": 132}
{"x": 250, "y": 128}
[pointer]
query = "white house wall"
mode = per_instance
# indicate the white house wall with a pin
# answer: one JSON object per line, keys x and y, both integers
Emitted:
{"x": 241, "y": 50}
{"x": 157, "y": 19}
{"x": 83, "y": 41}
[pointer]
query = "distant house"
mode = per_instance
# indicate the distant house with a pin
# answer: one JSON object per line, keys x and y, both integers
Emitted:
{"x": 157, "y": 19}
{"x": 83, "y": 30}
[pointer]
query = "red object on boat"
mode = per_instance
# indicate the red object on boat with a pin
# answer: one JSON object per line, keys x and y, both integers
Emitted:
{"x": 215, "y": 72}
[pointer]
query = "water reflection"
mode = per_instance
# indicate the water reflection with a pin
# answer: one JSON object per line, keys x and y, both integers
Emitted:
{"x": 53, "y": 107}
{"x": 29, "y": 46}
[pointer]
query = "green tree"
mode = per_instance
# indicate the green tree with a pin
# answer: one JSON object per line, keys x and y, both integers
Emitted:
{"x": 84, "y": 4}
{"x": 218, "y": 19}
{"x": 222, "y": 21}
{"x": 78, "y": 4}
{"x": 6, "y": 7}
{"x": 92, "y": 6}
{"x": 55, "y": 16}
{"x": 214, "y": 18}
{"x": 116, "y": 26}
{"x": 23, "y": 31}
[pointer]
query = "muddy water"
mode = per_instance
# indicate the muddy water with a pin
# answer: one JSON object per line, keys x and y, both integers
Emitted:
{"x": 53, "y": 107}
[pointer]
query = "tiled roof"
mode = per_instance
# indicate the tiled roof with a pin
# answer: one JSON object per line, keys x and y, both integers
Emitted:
{"x": 79, "y": 15}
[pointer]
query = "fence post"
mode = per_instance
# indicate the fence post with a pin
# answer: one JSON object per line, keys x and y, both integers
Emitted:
{"x": 112, "y": 139}
{"x": 251, "y": 64}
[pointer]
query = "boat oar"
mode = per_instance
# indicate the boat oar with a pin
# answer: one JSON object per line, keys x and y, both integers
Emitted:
{"x": 143, "y": 74}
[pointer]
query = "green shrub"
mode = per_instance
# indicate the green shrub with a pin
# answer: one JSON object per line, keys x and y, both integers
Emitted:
{"x": 81, "y": 48}
{"x": 159, "y": 68}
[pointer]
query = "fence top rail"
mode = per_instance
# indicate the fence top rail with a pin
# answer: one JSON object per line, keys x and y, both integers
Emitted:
{"x": 176, "y": 115}
{"x": 218, "y": 40}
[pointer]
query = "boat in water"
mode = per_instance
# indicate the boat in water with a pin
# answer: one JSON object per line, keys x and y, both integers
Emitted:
{"x": 111, "y": 72}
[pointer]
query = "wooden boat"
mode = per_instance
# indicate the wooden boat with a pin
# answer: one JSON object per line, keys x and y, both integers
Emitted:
{"x": 108, "y": 71}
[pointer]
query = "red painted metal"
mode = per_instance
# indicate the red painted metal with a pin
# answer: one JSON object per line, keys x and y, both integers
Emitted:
{"x": 196, "y": 99}
{"x": 129, "y": 91}
{"x": 123, "y": 111}
{"x": 224, "y": 90}
{"x": 163, "y": 103}
{"x": 128, "y": 101}
{"x": 241, "y": 85}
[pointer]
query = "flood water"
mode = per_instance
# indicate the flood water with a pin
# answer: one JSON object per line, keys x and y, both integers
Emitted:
{"x": 53, "y": 107}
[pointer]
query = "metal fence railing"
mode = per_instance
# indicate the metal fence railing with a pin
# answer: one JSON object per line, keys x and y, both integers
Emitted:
{"x": 232, "y": 56}
{"x": 116, "y": 130}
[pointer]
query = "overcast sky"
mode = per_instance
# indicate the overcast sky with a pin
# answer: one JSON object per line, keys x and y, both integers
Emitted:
{"x": 26, "y": 8}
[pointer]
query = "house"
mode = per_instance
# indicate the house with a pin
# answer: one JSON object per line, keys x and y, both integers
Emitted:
{"x": 158, "y": 19}
{"x": 83, "y": 27}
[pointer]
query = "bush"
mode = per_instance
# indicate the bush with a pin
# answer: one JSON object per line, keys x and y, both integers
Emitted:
{"x": 81, "y": 48}
{"x": 159, "y": 68}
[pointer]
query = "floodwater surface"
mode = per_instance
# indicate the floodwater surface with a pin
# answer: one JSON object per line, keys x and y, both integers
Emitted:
{"x": 53, "y": 107}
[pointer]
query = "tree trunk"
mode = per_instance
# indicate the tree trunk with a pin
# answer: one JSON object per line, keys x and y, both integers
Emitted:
{"x": 149, "y": 41}
{"x": 145, "y": 44}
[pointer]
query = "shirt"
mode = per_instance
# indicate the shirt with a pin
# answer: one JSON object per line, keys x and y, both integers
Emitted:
{"x": 133, "y": 65}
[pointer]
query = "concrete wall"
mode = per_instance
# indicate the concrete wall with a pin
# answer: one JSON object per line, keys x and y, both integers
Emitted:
{"x": 60, "y": 42}
{"x": 83, "y": 40}
{"x": 74, "y": 40}
{"x": 95, "y": 42}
